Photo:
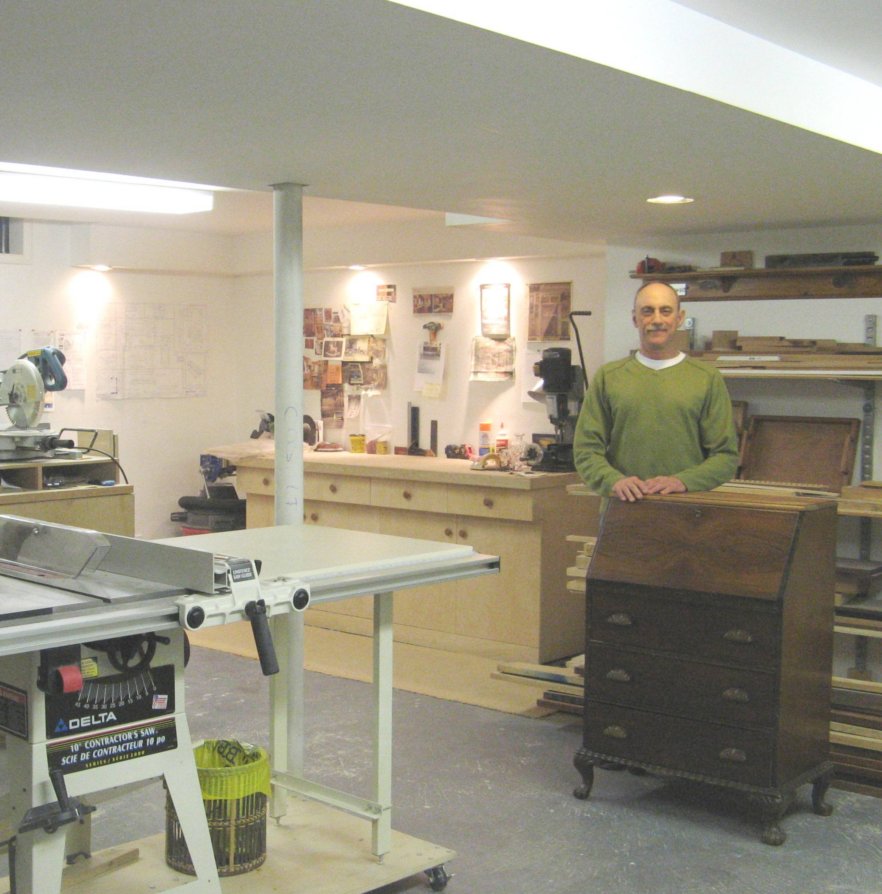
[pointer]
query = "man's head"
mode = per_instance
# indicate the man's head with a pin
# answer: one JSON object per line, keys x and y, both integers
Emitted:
{"x": 657, "y": 315}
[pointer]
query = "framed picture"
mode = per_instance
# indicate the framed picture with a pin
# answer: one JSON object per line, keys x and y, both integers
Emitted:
{"x": 496, "y": 310}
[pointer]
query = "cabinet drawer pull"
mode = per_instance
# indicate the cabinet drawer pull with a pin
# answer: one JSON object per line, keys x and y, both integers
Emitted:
{"x": 463, "y": 534}
{"x": 618, "y": 675}
{"x": 736, "y": 635}
{"x": 407, "y": 495}
{"x": 616, "y": 732}
{"x": 620, "y": 619}
{"x": 313, "y": 516}
{"x": 265, "y": 481}
{"x": 448, "y": 532}
{"x": 488, "y": 502}
{"x": 733, "y": 755}
{"x": 734, "y": 694}
{"x": 332, "y": 488}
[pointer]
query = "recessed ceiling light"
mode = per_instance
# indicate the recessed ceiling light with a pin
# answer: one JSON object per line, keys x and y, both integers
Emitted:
{"x": 670, "y": 200}
{"x": 357, "y": 267}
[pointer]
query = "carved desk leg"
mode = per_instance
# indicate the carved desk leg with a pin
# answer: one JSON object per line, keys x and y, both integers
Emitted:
{"x": 585, "y": 766}
{"x": 819, "y": 790}
{"x": 772, "y": 808}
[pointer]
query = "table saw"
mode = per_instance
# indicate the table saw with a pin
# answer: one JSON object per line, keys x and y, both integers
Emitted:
{"x": 92, "y": 657}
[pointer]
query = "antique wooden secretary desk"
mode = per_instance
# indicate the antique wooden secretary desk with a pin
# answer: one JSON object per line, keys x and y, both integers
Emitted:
{"x": 709, "y": 645}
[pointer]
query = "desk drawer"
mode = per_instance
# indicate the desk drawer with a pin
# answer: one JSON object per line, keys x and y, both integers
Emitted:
{"x": 421, "y": 496}
{"x": 712, "y": 632}
{"x": 676, "y": 686}
{"x": 255, "y": 481}
{"x": 490, "y": 502}
{"x": 338, "y": 489}
{"x": 722, "y": 752}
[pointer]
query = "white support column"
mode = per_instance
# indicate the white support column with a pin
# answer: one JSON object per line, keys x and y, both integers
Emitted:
{"x": 287, "y": 755}
{"x": 288, "y": 284}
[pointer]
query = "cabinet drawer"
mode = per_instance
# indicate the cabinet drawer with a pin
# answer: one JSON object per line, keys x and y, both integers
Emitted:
{"x": 337, "y": 489}
{"x": 728, "y": 753}
{"x": 490, "y": 503}
{"x": 421, "y": 496}
{"x": 255, "y": 481}
{"x": 686, "y": 688}
{"x": 701, "y": 631}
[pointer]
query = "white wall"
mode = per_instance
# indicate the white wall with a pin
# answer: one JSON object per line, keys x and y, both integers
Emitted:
{"x": 160, "y": 440}
{"x": 463, "y": 403}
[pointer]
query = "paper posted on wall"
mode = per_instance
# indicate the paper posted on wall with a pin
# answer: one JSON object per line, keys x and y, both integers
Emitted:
{"x": 493, "y": 359}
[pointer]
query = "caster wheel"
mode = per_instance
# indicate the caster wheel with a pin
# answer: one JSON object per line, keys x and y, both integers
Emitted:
{"x": 438, "y": 878}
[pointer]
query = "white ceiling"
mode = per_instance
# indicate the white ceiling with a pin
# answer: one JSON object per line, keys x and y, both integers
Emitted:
{"x": 371, "y": 102}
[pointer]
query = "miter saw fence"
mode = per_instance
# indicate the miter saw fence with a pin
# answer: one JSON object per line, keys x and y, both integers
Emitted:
{"x": 23, "y": 389}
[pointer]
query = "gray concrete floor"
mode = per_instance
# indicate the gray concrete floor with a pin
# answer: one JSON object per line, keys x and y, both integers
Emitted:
{"x": 497, "y": 789}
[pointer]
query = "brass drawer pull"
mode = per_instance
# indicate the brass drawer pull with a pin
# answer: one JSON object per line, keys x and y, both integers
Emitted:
{"x": 620, "y": 619}
{"x": 488, "y": 502}
{"x": 448, "y": 532}
{"x": 734, "y": 694}
{"x": 407, "y": 495}
{"x": 733, "y": 755}
{"x": 313, "y": 516}
{"x": 616, "y": 732}
{"x": 736, "y": 635}
{"x": 618, "y": 675}
{"x": 332, "y": 488}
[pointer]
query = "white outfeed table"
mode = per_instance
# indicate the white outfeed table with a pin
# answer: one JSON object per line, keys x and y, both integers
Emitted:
{"x": 338, "y": 564}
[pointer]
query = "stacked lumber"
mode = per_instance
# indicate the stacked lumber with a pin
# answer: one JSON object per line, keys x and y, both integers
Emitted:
{"x": 856, "y": 580}
{"x": 578, "y": 572}
{"x": 856, "y": 735}
{"x": 728, "y": 349}
{"x": 558, "y": 687}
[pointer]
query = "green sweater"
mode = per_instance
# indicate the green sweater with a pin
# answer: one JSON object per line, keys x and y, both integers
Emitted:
{"x": 639, "y": 421}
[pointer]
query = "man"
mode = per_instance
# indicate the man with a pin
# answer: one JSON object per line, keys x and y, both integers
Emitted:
{"x": 658, "y": 422}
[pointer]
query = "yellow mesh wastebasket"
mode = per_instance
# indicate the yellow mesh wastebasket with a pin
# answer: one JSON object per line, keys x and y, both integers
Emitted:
{"x": 235, "y": 782}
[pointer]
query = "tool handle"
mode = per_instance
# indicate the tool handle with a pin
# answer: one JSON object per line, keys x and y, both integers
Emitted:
{"x": 56, "y": 777}
{"x": 255, "y": 611}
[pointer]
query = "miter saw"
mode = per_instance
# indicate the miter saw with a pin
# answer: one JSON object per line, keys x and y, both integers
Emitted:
{"x": 23, "y": 389}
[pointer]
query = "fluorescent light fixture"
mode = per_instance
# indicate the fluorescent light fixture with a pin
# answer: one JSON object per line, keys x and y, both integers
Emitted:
{"x": 670, "y": 200}
{"x": 34, "y": 185}
{"x": 452, "y": 219}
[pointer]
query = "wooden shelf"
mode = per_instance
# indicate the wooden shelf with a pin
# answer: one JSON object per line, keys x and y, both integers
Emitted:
{"x": 864, "y": 281}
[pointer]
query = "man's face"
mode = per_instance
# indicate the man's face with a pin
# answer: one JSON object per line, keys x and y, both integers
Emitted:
{"x": 657, "y": 315}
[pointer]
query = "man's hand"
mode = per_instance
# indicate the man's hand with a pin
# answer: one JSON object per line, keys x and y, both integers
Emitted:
{"x": 629, "y": 489}
{"x": 664, "y": 484}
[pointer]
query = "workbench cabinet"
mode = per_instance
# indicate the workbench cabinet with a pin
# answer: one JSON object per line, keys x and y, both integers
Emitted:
{"x": 709, "y": 644}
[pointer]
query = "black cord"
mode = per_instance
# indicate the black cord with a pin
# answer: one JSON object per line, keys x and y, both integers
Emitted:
{"x": 580, "y": 313}
{"x": 112, "y": 458}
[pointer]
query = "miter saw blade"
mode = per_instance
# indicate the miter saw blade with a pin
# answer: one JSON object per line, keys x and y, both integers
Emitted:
{"x": 23, "y": 384}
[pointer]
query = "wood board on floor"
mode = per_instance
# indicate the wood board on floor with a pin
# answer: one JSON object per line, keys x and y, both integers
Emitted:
{"x": 316, "y": 850}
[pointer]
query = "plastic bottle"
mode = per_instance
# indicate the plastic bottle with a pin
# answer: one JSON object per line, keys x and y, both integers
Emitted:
{"x": 484, "y": 431}
{"x": 501, "y": 438}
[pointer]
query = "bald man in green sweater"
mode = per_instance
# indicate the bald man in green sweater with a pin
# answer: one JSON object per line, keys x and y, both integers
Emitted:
{"x": 658, "y": 422}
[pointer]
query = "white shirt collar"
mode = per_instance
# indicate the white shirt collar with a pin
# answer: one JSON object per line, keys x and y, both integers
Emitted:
{"x": 660, "y": 364}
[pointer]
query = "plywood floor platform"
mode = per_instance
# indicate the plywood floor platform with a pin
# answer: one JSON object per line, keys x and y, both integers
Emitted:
{"x": 315, "y": 850}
